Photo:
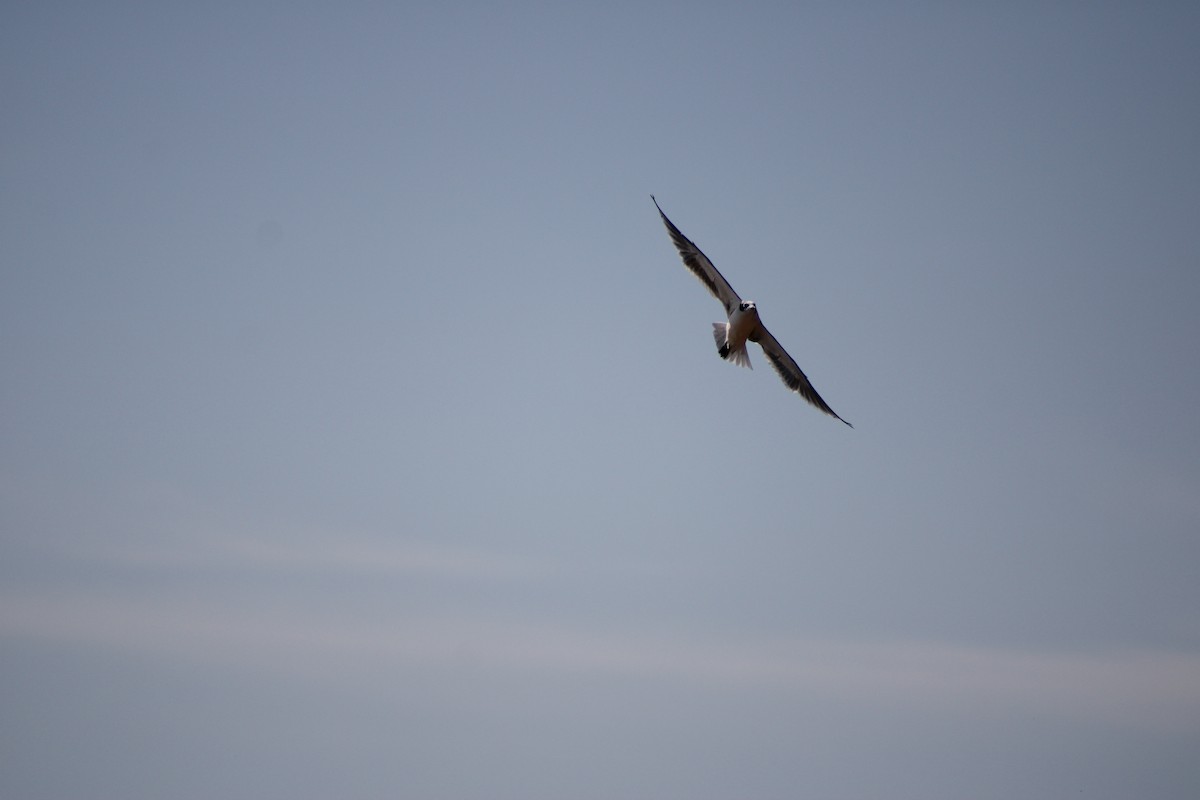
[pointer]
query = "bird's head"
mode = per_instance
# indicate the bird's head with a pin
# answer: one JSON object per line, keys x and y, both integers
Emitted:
{"x": 746, "y": 305}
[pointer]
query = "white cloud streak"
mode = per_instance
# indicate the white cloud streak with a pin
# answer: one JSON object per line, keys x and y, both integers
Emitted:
{"x": 1145, "y": 688}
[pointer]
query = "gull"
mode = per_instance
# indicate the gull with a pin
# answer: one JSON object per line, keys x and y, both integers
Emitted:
{"x": 743, "y": 324}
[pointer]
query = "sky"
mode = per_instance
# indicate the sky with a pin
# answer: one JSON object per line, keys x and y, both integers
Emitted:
{"x": 362, "y": 434}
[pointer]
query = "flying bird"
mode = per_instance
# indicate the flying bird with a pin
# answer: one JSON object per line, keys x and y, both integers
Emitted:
{"x": 743, "y": 324}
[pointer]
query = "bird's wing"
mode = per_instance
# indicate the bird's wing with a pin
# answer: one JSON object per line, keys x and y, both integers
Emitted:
{"x": 699, "y": 264}
{"x": 790, "y": 371}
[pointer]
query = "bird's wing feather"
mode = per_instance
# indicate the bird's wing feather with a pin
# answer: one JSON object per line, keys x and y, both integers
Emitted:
{"x": 790, "y": 371}
{"x": 699, "y": 264}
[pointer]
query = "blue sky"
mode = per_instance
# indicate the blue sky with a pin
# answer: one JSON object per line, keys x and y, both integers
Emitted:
{"x": 363, "y": 435}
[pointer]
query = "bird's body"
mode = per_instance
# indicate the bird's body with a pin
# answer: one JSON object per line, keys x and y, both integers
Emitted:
{"x": 732, "y": 336}
{"x": 742, "y": 324}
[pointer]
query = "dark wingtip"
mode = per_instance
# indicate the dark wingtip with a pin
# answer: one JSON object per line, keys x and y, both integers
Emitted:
{"x": 835, "y": 415}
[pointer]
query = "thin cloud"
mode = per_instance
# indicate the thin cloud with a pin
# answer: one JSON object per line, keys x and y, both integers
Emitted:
{"x": 334, "y": 554}
{"x": 1149, "y": 688}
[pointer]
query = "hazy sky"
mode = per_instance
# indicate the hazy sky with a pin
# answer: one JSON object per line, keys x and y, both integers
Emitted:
{"x": 362, "y": 435}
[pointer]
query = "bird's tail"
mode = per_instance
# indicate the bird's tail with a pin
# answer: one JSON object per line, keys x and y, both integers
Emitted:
{"x": 739, "y": 356}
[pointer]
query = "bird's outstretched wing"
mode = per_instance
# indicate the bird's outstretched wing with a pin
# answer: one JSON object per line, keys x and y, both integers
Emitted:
{"x": 699, "y": 264}
{"x": 790, "y": 371}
